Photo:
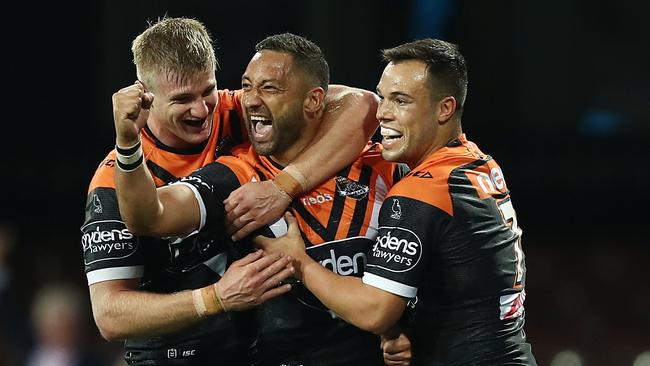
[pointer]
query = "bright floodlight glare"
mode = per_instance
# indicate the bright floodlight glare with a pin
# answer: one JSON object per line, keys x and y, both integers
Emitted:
{"x": 566, "y": 358}
{"x": 643, "y": 359}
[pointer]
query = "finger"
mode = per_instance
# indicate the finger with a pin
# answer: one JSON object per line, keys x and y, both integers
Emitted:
{"x": 276, "y": 280}
{"x": 246, "y": 230}
{"x": 396, "y": 363}
{"x": 147, "y": 100}
{"x": 292, "y": 224}
{"x": 232, "y": 199}
{"x": 395, "y": 346}
{"x": 397, "y": 359}
{"x": 234, "y": 213}
{"x": 273, "y": 268}
{"x": 250, "y": 258}
{"x": 267, "y": 260}
{"x": 277, "y": 291}
{"x": 238, "y": 223}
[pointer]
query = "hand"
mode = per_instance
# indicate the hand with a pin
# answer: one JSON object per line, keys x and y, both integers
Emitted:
{"x": 254, "y": 279}
{"x": 290, "y": 244}
{"x": 397, "y": 349}
{"x": 252, "y": 206}
{"x": 130, "y": 112}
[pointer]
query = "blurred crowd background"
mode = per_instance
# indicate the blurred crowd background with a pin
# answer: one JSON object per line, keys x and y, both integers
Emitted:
{"x": 558, "y": 93}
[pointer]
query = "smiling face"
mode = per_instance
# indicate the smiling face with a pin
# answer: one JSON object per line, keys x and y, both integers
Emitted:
{"x": 407, "y": 113}
{"x": 274, "y": 93}
{"x": 181, "y": 113}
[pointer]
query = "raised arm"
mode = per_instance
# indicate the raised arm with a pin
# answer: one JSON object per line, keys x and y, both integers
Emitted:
{"x": 373, "y": 310}
{"x": 171, "y": 210}
{"x": 348, "y": 123}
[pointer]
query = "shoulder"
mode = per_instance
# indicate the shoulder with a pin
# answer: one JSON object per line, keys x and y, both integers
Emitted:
{"x": 429, "y": 181}
{"x": 229, "y": 99}
{"x": 227, "y": 164}
{"x": 105, "y": 174}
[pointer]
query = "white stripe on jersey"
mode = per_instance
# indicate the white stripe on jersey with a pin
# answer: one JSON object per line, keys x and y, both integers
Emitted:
{"x": 391, "y": 286}
{"x": 380, "y": 195}
{"x": 115, "y": 273}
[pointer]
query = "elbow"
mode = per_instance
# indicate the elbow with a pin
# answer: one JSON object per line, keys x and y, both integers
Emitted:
{"x": 377, "y": 324}
{"x": 138, "y": 229}
{"x": 108, "y": 326}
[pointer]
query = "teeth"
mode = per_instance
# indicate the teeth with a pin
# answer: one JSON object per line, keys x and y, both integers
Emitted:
{"x": 389, "y": 132}
{"x": 259, "y": 119}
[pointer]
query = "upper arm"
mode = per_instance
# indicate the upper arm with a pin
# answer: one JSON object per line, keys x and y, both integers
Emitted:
{"x": 180, "y": 212}
{"x": 352, "y": 110}
{"x": 390, "y": 308}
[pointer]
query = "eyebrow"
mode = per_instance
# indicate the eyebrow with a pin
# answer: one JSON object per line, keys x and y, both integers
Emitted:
{"x": 244, "y": 77}
{"x": 396, "y": 94}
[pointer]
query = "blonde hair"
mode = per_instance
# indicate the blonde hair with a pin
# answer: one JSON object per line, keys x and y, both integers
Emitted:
{"x": 180, "y": 48}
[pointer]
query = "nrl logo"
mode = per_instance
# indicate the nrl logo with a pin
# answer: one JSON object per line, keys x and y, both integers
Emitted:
{"x": 349, "y": 188}
{"x": 396, "y": 210}
{"x": 97, "y": 204}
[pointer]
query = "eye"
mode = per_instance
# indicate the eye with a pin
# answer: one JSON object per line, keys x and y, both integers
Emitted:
{"x": 270, "y": 88}
{"x": 181, "y": 99}
{"x": 400, "y": 101}
{"x": 208, "y": 91}
{"x": 246, "y": 86}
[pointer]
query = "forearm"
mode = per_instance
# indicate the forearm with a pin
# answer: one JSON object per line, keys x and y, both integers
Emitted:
{"x": 348, "y": 123}
{"x": 370, "y": 309}
{"x": 138, "y": 199}
{"x": 132, "y": 313}
{"x": 147, "y": 210}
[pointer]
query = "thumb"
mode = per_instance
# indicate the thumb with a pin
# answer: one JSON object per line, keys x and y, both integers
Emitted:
{"x": 147, "y": 101}
{"x": 292, "y": 223}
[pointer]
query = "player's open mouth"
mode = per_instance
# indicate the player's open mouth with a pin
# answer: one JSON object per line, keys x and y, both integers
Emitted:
{"x": 261, "y": 126}
{"x": 389, "y": 134}
{"x": 194, "y": 122}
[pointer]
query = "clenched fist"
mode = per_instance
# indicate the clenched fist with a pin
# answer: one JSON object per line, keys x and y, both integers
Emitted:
{"x": 130, "y": 112}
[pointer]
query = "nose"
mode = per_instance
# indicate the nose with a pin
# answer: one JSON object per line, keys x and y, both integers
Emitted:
{"x": 202, "y": 107}
{"x": 383, "y": 111}
{"x": 251, "y": 98}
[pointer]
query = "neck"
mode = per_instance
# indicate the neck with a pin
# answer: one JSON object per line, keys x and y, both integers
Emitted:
{"x": 439, "y": 142}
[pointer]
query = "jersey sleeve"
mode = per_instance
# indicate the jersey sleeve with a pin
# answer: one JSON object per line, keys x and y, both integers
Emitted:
{"x": 110, "y": 250}
{"x": 212, "y": 184}
{"x": 408, "y": 229}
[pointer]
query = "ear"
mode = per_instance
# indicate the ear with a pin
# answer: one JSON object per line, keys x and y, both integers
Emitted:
{"x": 446, "y": 109}
{"x": 314, "y": 100}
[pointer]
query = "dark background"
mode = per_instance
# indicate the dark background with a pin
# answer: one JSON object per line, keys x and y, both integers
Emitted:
{"x": 558, "y": 94}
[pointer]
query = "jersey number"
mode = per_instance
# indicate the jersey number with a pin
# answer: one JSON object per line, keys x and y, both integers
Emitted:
{"x": 510, "y": 219}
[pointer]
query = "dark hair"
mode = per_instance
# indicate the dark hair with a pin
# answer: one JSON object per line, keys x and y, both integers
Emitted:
{"x": 306, "y": 55}
{"x": 446, "y": 67}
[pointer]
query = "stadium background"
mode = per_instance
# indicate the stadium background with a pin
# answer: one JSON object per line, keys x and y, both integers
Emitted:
{"x": 558, "y": 94}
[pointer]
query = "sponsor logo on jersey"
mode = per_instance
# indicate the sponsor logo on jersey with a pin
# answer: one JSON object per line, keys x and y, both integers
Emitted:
{"x": 420, "y": 174}
{"x": 493, "y": 182}
{"x": 97, "y": 204}
{"x": 196, "y": 181}
{"x": 109, "y": 163}
{"x": 107, "y": 238}
{"x": 348, "y": 188}
{"x": 345, "y": 257}
{"x": 345, "y": 265}
{"x": 317, "y": 199}
{"x": 396, "y": 209}
{"x": 398, "y": 249}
